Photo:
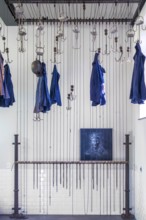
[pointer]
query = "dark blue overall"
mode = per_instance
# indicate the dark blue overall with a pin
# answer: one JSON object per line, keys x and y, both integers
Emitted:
{"x": 54, "y": 90}
{"x": 138, "y": 88}
{"x": 97, "y": 94}
{"x": 43, "y": 101}
{"x": 8, "y": 85}
{"x": 7, "y": 94}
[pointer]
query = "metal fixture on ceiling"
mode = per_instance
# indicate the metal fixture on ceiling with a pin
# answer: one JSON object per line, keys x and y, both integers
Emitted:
{"x": 76, "y": 32}
{"x": 21, "y": 29}
{"x": 95, "y": 10}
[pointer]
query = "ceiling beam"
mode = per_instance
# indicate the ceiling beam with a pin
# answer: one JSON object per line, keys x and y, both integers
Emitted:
{"x": 73, "y": 1}
{"x": 139, "y": 8}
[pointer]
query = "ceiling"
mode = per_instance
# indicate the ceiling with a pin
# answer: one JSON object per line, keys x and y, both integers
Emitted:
{"x": 78, "y": 10}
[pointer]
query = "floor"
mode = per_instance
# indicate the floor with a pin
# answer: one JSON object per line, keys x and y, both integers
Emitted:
{"x": 66, "y": 217}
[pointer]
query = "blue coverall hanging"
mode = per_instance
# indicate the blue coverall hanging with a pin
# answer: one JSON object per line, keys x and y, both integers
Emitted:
{"x": 138, "y": 88}
{"x": 54, "y": 90}
{"x": 97, "y": 94}
{"x": 43, "y": 101}
{"x": 1, "y": 75}
{"x": 6, "y": 86}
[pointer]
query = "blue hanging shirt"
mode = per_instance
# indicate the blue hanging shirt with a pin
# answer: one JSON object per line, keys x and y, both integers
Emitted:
{"x": 6, "y": 86}
{"x": 138, "y": 88}
{"x": 43, "y": 101}
{"x": 54, "y": 90}
{"x": 97, "y": 94}
{"x": 2, "y": 92}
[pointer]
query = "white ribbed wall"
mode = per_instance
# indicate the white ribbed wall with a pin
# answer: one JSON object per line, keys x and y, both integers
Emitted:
{"x": 56, "y": 137}
{"x": 140, "y": 149}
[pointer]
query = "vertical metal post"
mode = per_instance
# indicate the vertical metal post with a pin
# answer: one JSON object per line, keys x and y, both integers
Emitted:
{"x": 127, "y": 209}
{"x": 16, "y": 208}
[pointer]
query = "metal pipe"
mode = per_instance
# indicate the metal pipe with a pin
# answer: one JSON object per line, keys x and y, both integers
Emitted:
{"x": 16, "y": 208}
{"x": 79, "y": 20}
{"x": 72, "y": 1}
{"x": 71, "y": 162}
{"x": 127, "y": 208}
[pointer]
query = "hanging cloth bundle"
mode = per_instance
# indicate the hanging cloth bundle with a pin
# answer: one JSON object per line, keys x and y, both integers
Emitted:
{"x": 43, "y": 101}
{"x": 1, "y": 76}
{"x": 54, "y": 90}
{"x": 138, "y": 88}
{"x": 97, "y": 94}
{"x": 6, "y": 86}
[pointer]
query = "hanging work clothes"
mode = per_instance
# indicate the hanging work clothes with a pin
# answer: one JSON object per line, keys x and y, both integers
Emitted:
{"x": 43, "y": 101}
{"x": 97, "y": 94}
{"x": 1, "y": 75}
{"x": 8, "y": 87}
{"x": 138, "y": 88}
{"x": 54, "y": 90}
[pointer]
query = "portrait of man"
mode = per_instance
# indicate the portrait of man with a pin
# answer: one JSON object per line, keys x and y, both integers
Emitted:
{"x": 96, "y": 144}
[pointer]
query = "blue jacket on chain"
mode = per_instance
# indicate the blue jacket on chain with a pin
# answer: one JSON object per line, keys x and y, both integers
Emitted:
{"x": 54, "y": 90}
{"x": 43, "y": 101}
{"x": 7, "y": 99}
{"x": 97, "y": 94}
{"x": 138, "y": 88}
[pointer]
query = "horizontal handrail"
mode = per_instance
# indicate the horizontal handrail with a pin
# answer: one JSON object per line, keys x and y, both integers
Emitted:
{"x": 73, "y": 162}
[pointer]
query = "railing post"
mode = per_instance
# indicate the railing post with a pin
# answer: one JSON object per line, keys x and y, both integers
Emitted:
{"x": 127, "y": 214}
{"x": 16, "y": 208}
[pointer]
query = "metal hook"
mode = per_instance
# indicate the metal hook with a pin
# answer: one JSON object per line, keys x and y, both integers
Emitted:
{"x": 94, "y": 34}
{"x": 69, "y": 103}
{"x": 22, "y": 35}
{"x": 37, "y": 117}
{"x": 72, "y": 96}
{"x": 106, "y": 51}
{"x": 116, "y": 44}
{"x": 121, "y": 55}
{"x": 8, "y": 60}
{"x": 55, "y": 61}
{"x": 4, "y": 39}
{"x": 60, "y": 33}
{"x": 128, "y": 58}
{"x": 21, "y": 49}
{"x": 76, "y": 31}
{"x": 58, "y": 51}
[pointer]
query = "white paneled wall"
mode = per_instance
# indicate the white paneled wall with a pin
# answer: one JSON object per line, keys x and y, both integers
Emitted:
{"x": 57, "y": 135}
{"x": 140, "y": 150}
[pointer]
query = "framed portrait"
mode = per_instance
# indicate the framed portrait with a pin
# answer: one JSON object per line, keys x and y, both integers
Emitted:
{"x": 96, "y": 144}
